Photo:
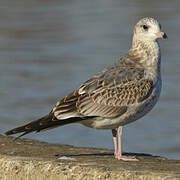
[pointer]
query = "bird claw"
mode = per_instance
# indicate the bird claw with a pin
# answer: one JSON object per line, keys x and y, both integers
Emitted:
{"x": 125, "y": 158}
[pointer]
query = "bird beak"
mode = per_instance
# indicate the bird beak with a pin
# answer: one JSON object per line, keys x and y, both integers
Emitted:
{"x": 161, "y": 35}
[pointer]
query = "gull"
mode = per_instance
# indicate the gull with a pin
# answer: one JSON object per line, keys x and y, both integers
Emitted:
{"x": 116, "y": 96}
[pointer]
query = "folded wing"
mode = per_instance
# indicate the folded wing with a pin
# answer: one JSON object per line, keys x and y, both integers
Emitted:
{"x": 107, "y": 94}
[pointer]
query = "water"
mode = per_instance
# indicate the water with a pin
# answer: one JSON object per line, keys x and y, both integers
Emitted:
{"x": 48, "y": 48}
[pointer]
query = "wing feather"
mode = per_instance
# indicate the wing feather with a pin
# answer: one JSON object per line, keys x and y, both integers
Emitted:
{"x": 107, "y": 94}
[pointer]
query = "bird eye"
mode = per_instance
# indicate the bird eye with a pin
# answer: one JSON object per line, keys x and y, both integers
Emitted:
{"x": 145, "y": 27}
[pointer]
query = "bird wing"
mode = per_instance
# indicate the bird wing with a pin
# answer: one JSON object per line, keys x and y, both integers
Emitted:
{"x": 107, "y": 94}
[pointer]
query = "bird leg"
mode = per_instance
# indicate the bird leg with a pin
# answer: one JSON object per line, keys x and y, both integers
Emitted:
{"x": 114, "y": 133}
{"x": 118, "y": 150}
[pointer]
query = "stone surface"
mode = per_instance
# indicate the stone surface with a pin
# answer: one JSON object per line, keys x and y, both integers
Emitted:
{"x": 28, "y": 159}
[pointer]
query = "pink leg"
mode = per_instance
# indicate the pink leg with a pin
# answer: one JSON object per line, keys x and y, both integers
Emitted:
{"x": 118, "y": 146}
{"x": 114, "y": 133}
{"x": 120, "y": 156}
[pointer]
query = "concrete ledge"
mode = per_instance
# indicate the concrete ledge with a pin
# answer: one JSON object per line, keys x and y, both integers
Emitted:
{"x": 26, "y": 159}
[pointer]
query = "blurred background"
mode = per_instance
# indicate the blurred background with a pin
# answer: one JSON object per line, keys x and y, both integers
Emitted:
{"x": 49, "y": 48}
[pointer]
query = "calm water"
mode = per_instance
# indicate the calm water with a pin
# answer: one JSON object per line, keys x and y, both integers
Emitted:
{"x": 48, "y": 48}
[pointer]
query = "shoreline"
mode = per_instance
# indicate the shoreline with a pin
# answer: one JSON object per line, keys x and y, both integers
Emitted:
{"x": 31, "y": 159}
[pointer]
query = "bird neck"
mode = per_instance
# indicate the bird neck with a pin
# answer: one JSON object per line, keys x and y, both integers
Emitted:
{"x": 147, "y": 54}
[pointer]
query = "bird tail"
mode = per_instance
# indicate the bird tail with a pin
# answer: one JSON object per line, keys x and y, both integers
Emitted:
{"x": 41, "y": 124}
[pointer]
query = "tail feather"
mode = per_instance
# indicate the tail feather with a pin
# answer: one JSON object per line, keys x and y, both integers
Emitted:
{"x": 41, "y": 124}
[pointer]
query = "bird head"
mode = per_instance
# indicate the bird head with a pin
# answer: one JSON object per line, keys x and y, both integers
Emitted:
{"x": 148, "y": 29}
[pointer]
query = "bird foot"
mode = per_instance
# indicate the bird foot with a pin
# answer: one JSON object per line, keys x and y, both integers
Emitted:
{"x": 125, "y": 158}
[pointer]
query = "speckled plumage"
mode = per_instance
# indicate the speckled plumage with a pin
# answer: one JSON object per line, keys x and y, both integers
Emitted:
{"x": 119, "y": 94}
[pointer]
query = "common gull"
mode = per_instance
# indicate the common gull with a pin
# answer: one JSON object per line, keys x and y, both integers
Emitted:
{"x": 117, "y": 95}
